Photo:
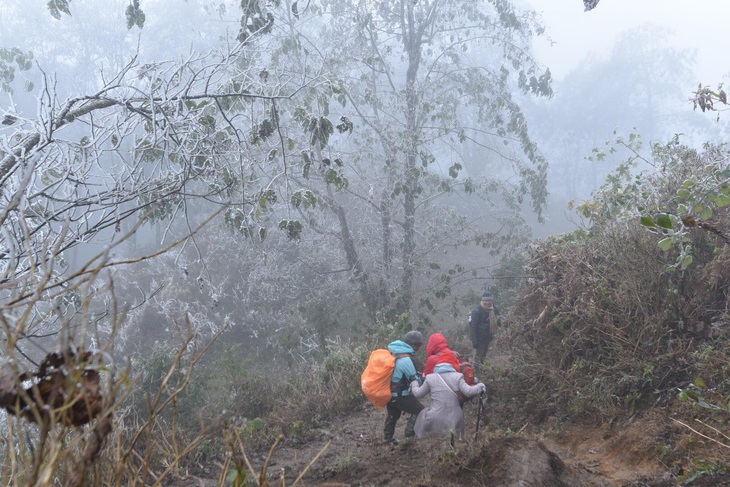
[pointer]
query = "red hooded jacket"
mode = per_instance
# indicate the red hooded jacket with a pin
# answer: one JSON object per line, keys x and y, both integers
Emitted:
{"x": 438, "y": 352}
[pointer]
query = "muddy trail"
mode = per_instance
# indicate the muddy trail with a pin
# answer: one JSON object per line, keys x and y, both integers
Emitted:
{"x": 349, "y": 451}
{"x": 356, "y": 456}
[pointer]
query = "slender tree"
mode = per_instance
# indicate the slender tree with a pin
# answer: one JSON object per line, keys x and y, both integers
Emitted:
{"x": 431, "y": 88}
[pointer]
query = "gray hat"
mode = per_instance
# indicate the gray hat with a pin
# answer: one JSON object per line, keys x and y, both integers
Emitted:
{"x": 413, "y": 337}
{"x": 487, "y": 296}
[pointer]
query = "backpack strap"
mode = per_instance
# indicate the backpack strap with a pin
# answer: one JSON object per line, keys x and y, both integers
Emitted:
{"x": 447, "y": 386}
{"x": 403, "y": 384}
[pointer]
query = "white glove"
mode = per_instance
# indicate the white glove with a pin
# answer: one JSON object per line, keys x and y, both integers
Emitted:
{"x": 482, "y": 388}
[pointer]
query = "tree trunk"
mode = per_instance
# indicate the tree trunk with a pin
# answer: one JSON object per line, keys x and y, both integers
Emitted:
{"x": 412, "y": 44}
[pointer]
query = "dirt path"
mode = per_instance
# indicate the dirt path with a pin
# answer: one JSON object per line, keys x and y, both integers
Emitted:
{"x": 350, "y": 452}
{"x": 356, "y": 456}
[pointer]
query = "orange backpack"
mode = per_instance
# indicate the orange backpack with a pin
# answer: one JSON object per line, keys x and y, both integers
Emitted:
{"x": 467, "y": 369}
{"x": 375, "y": 380}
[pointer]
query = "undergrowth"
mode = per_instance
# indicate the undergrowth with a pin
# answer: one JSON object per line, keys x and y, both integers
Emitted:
{"x": 610, "y": 325}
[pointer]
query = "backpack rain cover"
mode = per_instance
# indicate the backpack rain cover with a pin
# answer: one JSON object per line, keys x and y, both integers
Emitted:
{"x": 375, "y": 380}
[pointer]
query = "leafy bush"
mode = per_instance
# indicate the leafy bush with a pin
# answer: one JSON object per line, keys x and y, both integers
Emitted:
{"x": 323, "y": 390}
{"x": 612, "y": 319}
{"x": 165, "y": 371}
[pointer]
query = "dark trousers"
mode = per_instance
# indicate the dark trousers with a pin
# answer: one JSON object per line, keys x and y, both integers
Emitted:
{"x": 397, "y": 406}
{"x": 481, "y": 350}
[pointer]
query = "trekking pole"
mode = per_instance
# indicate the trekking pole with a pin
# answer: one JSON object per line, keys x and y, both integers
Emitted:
{"x": 479, "y": 414}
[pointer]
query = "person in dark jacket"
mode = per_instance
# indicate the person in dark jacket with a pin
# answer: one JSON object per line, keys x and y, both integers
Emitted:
{"x": 403, "y": 374}
{"x": 482, "y": 322}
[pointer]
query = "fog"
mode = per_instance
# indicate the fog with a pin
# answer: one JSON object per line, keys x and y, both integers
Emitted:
{"x": 668, "y": 50}
{"x": 358, "y": 172}
{"x": 578, "y": 35}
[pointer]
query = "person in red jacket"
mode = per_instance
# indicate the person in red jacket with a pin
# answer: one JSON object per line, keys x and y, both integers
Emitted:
{"x": 447, "y": 387}
{"x": 437, "y": 352}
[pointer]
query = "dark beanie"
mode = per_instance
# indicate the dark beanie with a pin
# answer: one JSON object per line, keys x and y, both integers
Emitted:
{"x": 413, "y": 337}
{"x": 487, "y": 296}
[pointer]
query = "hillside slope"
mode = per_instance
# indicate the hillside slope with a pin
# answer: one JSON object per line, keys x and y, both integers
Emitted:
{"x": 349, "y": 451}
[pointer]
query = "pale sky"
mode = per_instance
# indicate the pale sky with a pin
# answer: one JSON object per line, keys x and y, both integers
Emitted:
{"x": 700, "y": 24}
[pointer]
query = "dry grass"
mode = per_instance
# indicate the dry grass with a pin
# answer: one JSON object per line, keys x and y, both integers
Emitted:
{"x": 605, "y": 329}
{"x": 601, "y": 327}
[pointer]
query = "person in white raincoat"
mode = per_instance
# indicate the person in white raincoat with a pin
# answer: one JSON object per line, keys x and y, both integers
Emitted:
{"x": 444, "y": 414}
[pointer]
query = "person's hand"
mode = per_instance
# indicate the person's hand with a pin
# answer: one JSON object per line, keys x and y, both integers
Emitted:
{"x": 482, "y": 388}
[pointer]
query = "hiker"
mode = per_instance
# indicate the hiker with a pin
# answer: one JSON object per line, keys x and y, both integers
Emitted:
{"x": 436, "y": 350}
{"x": 483, "y": 322}
{"x": 445, "y": 414}
{"x": 404, "y": 374}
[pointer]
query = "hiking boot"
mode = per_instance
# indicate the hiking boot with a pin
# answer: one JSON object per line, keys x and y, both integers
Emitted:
{"x": 392, "y": 441}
